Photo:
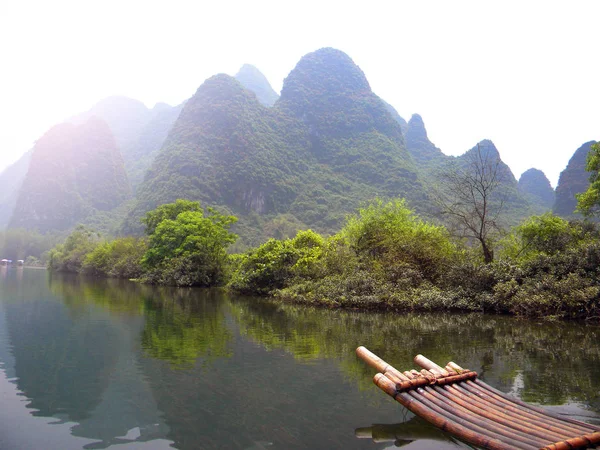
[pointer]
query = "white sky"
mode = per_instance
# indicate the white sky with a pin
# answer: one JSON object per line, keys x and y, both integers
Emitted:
{"x": 521, "y": 73}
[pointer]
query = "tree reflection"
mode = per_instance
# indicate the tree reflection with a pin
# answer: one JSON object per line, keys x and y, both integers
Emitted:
{"x": 183, "y": 325}
{"x": 546, "y": 363}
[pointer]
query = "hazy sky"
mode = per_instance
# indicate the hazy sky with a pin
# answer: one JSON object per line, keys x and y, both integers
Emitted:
{"x": 524, "y": 73}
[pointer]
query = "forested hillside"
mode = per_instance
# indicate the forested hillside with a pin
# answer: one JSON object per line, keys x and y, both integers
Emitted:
{"x": 75, "y": 172}
{"x": 326, "y": 145}
{"x": 304, "y": 159}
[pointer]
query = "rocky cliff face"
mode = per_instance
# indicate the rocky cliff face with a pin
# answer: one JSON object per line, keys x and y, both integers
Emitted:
{"x": 535, "y": 186}
{"x": 75, "y": 171}
{"x": 573, "y": 180}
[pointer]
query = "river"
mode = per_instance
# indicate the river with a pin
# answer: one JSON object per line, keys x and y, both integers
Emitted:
{"x": 97, "y": 364}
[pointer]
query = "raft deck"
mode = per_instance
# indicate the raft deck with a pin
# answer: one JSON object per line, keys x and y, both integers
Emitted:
{"x": 455, "y": 400}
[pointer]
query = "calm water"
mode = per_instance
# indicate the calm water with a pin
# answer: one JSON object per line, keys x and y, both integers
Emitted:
{"x": 99, "y": 363}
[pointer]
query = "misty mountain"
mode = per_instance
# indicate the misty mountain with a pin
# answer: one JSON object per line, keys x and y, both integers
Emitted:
{"x": 328, "y": 144}
{"x": 139, "y": 131}
{"x": 536, "y": 188}
{"x": 11, "y": 180}
{"x": 75, "y": 172}
{"x": 573, "y": 180}
{"x": 253, "y": 80}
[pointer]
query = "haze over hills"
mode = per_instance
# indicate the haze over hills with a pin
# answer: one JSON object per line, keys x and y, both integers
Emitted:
{"x": 11, "y": 180}
{"x": 252, "y": 79}
{"x": 304, "y": 159}
{"x": 138, "y": 130}
{"x": 75, "y": 171}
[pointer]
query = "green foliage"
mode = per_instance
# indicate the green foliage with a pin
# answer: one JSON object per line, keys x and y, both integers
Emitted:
{"x": 276, "y": 263}
{"x": 546, "y": 234}
{"x": 168, "y": 211}
{"x": 565, "y": 284}
{"x": 391, "y": 233}
{"x": 189, "y": 249}
{"x": 589, "y": 201}
{"x": 70, "y": 256}
{"x": 120, "y": 258}
{"x": 385, "y": 257}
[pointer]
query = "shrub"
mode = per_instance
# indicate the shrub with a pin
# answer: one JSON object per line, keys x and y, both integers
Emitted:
{"x": 120, "y": 258}
{"x": 188, "y": 250}
{"x": 70, "y": 256}
{"x": 276, "y": 263}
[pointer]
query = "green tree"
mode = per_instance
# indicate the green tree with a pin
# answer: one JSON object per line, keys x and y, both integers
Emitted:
{"x": 588, "y": 201}
{"x": 69, "y": 257}
{"x": 168, "y": 211}
{"x": 189, "y": 249}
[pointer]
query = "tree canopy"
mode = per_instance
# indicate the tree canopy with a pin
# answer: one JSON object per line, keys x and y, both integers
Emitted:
{"x": 589, "y": 201}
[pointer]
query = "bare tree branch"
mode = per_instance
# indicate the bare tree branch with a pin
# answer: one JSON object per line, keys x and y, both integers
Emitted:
{"x": 467, "y": 197}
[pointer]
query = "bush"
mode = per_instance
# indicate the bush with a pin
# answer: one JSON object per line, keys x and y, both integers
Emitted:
{"x": 70, "y": 256}
{"x": 391, "y": 234}
{"x": 120, "y": 258}
{"x": 189, "y": 249}
{"x": 276, "y": 263}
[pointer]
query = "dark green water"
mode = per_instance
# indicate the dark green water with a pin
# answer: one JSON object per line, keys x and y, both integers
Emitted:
{"x": 100, "y": 363}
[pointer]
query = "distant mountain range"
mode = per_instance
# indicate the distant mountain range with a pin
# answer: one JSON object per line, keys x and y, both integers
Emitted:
{"x": 304, "y": 159}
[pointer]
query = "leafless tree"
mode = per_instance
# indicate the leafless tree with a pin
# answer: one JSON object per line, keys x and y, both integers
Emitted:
{"x": 468, "y": 197}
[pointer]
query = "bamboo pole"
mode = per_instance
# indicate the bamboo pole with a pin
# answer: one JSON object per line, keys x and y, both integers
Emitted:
{"x": 586, "y": 428}
{"x": 542, "y": 411}
{"x": 526, "y": 409}
{"x": 425, "y": 363}
{"x": 537, "y": 409}
{"x": 441, "y": 422}
{"x": 490, "y": 428}
{"x": 511, "y": 423}
{"x": 579, "y": 442}
{"x": 522, "y": 422}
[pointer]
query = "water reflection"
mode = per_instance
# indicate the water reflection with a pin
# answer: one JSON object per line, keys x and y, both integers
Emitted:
{"x": 546, "y": 363}
{"x": 405, "y": 433}
{"x": 76, "y": 360}
{"x": 185, "y": 325}
{"x": 126, "y": 363}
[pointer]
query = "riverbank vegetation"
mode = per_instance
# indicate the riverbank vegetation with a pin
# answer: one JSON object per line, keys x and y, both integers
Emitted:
{"x": 384, "y": 258}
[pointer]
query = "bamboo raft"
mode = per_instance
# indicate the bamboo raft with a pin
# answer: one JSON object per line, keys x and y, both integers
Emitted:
{"x": 454, "y": 400}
